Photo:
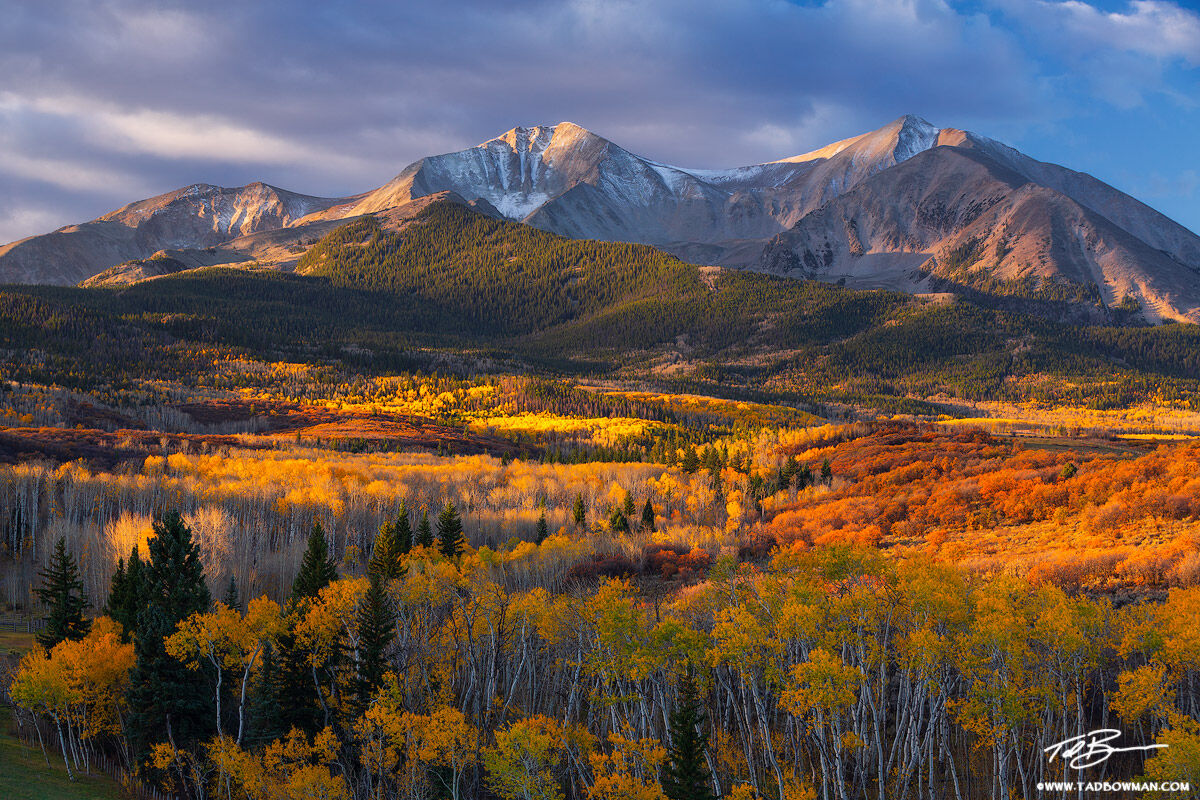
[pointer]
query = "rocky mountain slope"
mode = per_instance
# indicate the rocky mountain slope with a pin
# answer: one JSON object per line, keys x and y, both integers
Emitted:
{"x": 194, "y": 217}
{"x": 972, "y": 213}
{"x": 908, "y": 206}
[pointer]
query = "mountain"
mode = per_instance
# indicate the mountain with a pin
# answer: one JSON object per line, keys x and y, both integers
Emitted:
{"x": 195, "y": 217}
{"x": 971, "y": 213}
{"x": 567, "y": 180}
{"x": 908, "y": 206}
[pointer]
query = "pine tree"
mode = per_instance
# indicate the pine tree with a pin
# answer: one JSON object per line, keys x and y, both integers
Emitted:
{"x": 386, "y": 555}
{"x": 627, "y": 507}
{"x": 265, "y": 715}
{"x": 286, "y": 696}
{"x": 648, "y": 516}
{"x": 691, "y": 462}
{"x": 376, "y": 625}
{"x": 804, "y": 478}
{"x": 126, "y": 593}
{"x": 791, "y": 469}
{"x": 826, "y": 472}
{"x": 543, "y": 530}
{"x": 232, "y": 599}
{"x": 166, "y": 699}
{"x": 118, "y": 587}
{"x": 450, "y": 532}
{"x": 317, "y": 569}
{"x": 424, "y": 531}
{"x": 686, "y": 775}
{"x": 402, "y": 530}
{"x": 62, "y": 591}
{"x": 618, "y": 521}
{"x": 578, "y": 512}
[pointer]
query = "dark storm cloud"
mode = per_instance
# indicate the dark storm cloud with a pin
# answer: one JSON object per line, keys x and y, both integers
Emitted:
{"x": 105, "y": 102}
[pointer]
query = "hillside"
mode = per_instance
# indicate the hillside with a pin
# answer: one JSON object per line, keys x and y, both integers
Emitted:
{"x": 455, "y": 284}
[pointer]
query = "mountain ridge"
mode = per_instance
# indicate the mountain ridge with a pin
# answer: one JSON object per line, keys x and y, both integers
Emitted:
{"x": 567, "y": 180}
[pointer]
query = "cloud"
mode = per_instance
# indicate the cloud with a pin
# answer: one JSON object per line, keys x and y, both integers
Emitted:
{"x": 1120, "y": 56}
{"x": 335, "y": 98}
{"x": 1161, "y": 30}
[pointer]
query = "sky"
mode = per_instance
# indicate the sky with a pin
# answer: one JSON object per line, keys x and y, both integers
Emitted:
{"x": 103, "y": 102}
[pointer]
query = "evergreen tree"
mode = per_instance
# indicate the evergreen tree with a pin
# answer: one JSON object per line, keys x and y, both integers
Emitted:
{"x": 424, "y": 531}
{"x": 125, "y": 594}
{"x": 450, "y": 532}
{"x": 167, "y": 700}
{"x": 686, "y": 775}
{"x": 117, "y": 588}
{"x": 62, "y": 591}
{"x": 232, "y": 599}
{"x": 627, "y": 507}
{"x": 791, "y": 469}
{"x": 618, "y": 521}
{"x": 804, "y": 478}
{"x": 317, "y": 569}
{"x": 402, "y": 530}
{"x": 648, "y": 516}
{"x": 543, "y": 530}
{"x": 826, "y": 472}
{"x": 716, "y": 484}
{"x": 376, "y": 625}
{"x": 691, "y": 462}
{"x": 265, "y": 715}
{"x": 287, "y": 696}
{"x": 386, "y": 555}
{"x": 578, "y": 512}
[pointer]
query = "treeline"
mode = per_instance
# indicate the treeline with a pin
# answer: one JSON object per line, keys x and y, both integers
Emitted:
{"x": 447, "y": 672}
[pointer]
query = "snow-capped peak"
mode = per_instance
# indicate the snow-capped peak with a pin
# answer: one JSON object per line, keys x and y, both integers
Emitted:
{"x": 915, "y": 136}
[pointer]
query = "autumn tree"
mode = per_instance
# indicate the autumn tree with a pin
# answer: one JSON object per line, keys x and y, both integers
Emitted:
{"x": 62, "y": 592}
{"x": 522, "y": 764}
{"x": 229, "y": 643}
{"x": 686, "y": 776}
